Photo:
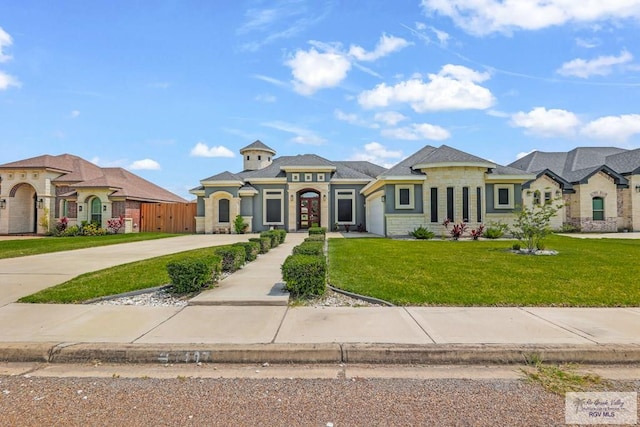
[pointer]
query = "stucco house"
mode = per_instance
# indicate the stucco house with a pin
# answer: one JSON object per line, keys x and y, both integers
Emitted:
{"x": 51, "y": 187}
{"x": 297, "y": 192}
{"x": 600, "y": 186}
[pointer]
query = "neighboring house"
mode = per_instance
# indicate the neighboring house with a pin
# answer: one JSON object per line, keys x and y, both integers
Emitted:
{"x": 297, "y": 192}
{"x": 600, "y": 186}
{"x": 41, "y": 190}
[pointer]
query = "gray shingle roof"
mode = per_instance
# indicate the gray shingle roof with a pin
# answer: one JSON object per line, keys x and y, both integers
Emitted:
{"x": 357, "y": 169}
{"x": 404, "y": 167}
{"x": 446, "y": 154}
{"x": 258, "y": 145}
{"x": 626, "y": 162}
{"x": 224, "y": 176}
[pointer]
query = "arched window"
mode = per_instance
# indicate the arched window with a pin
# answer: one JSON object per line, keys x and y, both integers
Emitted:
{"x": 96, "y": 211}
{"x": 598, "y": 208}
{"x": 223, "y": 210}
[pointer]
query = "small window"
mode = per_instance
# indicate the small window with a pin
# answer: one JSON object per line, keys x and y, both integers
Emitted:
{"x": 259, "y": 157}
{"x": 269, "y": 158}
{"x": 248, "y": 157}
{"x": 223, "y": 210}
{"x": 434, "y": 204}
{"x": 320, "y": 177}
{"x": 10, "y": 176}
{"x": 404, "y": 197}
{"x": 35, "y": 175}
{"x": 536, "y": 198}
{"x": 598, "y": 208}
{"x": 273, "y": 207}
{"x": 64, "y": 211}
{"x": 308, "y": 177}
{"x": 345, "y": 211}
{"x": 465, "y": 204}
{"x": 503, "y": 196}
{"x": 295, "y": 177}
{"x": 450, "y": 207}
{"x": 479, "y": 204}
{"x": 547, "y": 197}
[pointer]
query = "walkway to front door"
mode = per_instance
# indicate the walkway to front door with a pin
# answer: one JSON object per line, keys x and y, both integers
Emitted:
{"x": 308, "y": 210}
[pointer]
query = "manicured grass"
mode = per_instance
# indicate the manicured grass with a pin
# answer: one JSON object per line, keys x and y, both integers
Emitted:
{"x": 586, "y": 272}
{"x": 18, "y": 248}
{"x": 115, "y": 280}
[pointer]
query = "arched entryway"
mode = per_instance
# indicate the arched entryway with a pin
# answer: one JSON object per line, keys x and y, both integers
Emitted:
{"x": 308, "y": 209}
{"x": 23, "y": 209}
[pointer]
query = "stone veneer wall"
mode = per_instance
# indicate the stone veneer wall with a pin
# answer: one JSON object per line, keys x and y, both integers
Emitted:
{"x": 581, "y": 204}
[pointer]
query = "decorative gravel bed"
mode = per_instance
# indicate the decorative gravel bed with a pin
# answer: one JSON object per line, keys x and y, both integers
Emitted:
{"x": 160, "y": 298}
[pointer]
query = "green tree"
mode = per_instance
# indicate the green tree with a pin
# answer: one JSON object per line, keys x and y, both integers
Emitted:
{"x": 531, "y": 226}
{"x": 239, "y": 225}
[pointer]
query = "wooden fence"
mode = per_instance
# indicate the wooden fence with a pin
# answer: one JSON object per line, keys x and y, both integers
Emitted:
{"x": 168, "y": 217}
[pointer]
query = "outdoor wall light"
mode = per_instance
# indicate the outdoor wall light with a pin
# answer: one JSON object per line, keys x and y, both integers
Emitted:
{"x": 79, "y": 208}
{"x": 40, "y": 203}
{"x": 291, "y": 197}
{"x": 383, "y": 199}
{"x": 324, "y": 197}
{"x": 3, "y": 203}
{"x": 104, "y": 208}
{"x": 637, "y": 188}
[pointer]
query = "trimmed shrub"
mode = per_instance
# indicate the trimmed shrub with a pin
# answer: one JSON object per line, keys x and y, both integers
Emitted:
{"x": 252, "y": 249}
{"x": 315, "y": 238}
{"x": 422, "y": 233}
{"x": 305, "y": 275}
{"x": 265, "y": 243}
{"x": 93, "y": 229}
{"x": 72, "y": 231}
{"x": 317, "y": 230}
{"x": 495, "y": 230}
{"x": 283, "y": 234}
{"x": 189, "y": 276}
{"x": 309, "y": 248}
{"x": 273, "y": 235}
{"x": 233, "y": 257}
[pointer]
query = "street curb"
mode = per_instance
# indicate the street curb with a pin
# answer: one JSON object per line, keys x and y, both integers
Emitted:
{"x": 436, "y": 354}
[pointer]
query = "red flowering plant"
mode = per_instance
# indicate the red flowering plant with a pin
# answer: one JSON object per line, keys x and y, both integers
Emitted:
{"x": 114, "y": 225}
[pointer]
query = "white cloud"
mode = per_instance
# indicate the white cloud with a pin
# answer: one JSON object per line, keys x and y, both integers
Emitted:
{"x": 301, "y": 135}
{"x": 453, "y": 88}
{"x": 145, "y": 164}
{"x": 389, "y": 118}
{"x": 266, "y": 98}
{"x": 203, "y": 150}
{"x": 482, "y": 17}
{"x": 613, "y": 128}
{"x": 588, "y": 43}
{"x": 353, "y": 119}
{"x": 74, "y": 114}
{"x": 313, "y": 70}
{"x": 417, "y": 131}
{"x": 547, "y": 123}
{"x": 271, "y": 80}
{"x": 497, "y": 113}
{"x": 377, "y": 153}
{"x": 7, "y": 81}
{"x": 5, "y": 41}
{"x": 600, "y": 66}
{"x": 386, "y": 45}
{"x": 523, "y": 154}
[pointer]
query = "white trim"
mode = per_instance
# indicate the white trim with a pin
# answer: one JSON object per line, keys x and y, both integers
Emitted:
{"x": 287, "y": 168}
{"x": 454, "y": 164}
{"x": 308, "y": 177}
{"x": 320, "y": 177}
{"x": 513, "y": 178}
{"x": 275, "y": 195}
{"x": 267, "y": 180}
{"x": 346, "y": 195}
{"x": 295, "y": 177}
{"x": 222, "y": 183}
{"x": 496, "y": 193}
{"x": 412, "y": 202}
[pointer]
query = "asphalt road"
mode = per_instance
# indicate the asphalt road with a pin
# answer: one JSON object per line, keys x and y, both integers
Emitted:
{"x": 132, "y": 395}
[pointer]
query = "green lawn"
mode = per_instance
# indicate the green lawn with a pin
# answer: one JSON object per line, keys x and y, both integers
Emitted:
{"x": 24, "y": 247}
{"x": 586, "y": 272}
{"x": 115, "y": 280}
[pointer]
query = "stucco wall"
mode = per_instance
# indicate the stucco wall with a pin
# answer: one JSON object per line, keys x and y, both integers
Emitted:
{"x": 544, "y": 184}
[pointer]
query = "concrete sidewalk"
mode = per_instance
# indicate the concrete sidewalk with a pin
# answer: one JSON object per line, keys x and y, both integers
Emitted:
{"x": 245, "y": 320}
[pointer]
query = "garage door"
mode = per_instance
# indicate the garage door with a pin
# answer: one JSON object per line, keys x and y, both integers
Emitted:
{"x": 375, "y": 215}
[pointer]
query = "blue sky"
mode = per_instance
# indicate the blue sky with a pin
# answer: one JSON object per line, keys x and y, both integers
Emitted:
{"x": 171, "y": 90}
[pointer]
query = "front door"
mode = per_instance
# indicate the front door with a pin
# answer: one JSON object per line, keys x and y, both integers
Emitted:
{"x": 308, "y": 210}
